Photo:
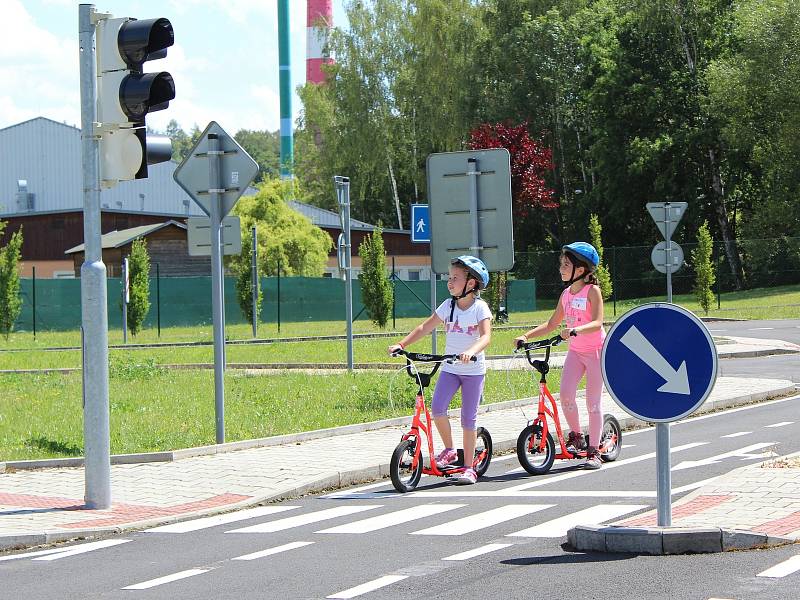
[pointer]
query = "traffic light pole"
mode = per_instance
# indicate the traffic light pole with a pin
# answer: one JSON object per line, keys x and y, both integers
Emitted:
{"x": 215, "y": 193}
{"x": 94, "y": 308}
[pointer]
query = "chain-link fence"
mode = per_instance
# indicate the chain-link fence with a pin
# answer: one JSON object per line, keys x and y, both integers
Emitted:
{"x": 763, "y": 263}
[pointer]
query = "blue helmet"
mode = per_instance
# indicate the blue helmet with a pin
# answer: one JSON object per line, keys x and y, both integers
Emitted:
{"x": 583, "y": 251}
{"x": 475, "y": 267}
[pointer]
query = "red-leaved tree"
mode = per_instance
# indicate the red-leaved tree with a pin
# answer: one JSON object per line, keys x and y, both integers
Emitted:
{"x": 529, "y": 162}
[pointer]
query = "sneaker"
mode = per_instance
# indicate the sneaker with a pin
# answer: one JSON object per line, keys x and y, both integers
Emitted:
{"x": 593, "y": 460}
{"x": 575, "y": 442}
{"x": 445, "y": 457}
{"x": 468, "y": 477}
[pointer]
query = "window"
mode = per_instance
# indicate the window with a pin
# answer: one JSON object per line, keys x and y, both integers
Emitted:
{"x": 413, "y": 275}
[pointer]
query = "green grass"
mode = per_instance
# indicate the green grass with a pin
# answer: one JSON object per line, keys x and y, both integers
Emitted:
{"x": 155, "y": 409}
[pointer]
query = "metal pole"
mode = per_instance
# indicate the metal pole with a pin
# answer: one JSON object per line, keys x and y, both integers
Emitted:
{"x": 94, "y": 292}
{"x": 614, "y": 277}
{"x": 472, "y": 173}
{"x": 215, "y": 183}
{"x": 343, "y": 194}
{"x": 285, "y": 85}
{"x": 433, "y": 307}
{"x": 279, "y": 295}
{"x": 158, "y": 299}
{"x": 33, "y": 290}
{"x": 663, "y": 475}
{"x": 668, "y": 232}
{"x": 254, "y": 284}
{"x": 719, "y": 285}
{"x": 124, "y": 301}
{"x": 394, "y": 298}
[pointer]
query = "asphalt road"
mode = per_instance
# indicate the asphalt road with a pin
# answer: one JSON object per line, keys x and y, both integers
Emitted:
{"x": 327, "y": 545}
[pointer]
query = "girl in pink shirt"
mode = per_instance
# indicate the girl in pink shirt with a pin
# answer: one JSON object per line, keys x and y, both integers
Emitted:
{"x": 581, "y": 307}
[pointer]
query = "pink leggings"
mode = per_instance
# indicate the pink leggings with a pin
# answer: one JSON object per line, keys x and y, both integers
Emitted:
{"x": 575, "y": 365}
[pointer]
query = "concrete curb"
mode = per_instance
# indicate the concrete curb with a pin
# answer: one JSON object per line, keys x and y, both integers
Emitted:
{"x": 667, "y": 540}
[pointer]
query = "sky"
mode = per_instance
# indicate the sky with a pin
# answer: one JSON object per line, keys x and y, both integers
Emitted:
{"x": 224, "y": 61}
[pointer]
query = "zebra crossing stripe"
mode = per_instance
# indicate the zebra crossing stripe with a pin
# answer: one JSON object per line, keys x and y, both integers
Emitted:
{"x": 392, "y": 518}
{"x": 783, "y": 569}
{"x": 589, "y": 516}
{"x": 271, "y": 551}
{"x": 483, "y": 520}
{"x": 166, "y": 579}
{"x": 477, "y": 552}
{"x": 369, "y": 586}
{"x": 75, "y": 550}
{"x": 299, "y": 520}
{"x": 206, "y": 522}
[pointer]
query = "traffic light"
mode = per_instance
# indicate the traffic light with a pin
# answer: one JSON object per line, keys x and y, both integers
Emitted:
{"x": 126, "y": 94}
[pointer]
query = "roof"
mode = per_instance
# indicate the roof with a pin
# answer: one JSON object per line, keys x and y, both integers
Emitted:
{"x": 117, "y": 239}
{"x": 327, "y": 219}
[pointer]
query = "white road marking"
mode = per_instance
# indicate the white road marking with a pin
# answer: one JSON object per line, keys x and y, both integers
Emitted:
{"x": 483, "y": 520}
{"x": 392, "y": 518}
{"x": 369, "y": 586}
{"x": 206, "y": 522}
{"x": 166, "y": 579}
{"x": 745, "y": 452}
{"x": 75, "y": 550}
{"x": 589, "y": 516}
{"x": 606, "y": 466}
{"x": 783, "y": 569}
{"x": 781, "y": 424}
{"x": 314, "y": 517}
{"x": 477, "y": 552}
{"x": 271, "y": 551}
{"x": 355, "y": 492}
{"x": 457, "y": 493}
{"x": 628, "y": 446}
{"x": 760, "y": 329}
{"x": 36, "y": 553}
{"x": 737, "y": 434}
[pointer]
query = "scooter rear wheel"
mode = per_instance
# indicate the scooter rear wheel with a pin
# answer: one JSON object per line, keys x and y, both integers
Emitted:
{"x": 404, "y": 477}
{"x": 534, "y": 459}
{"x": 610, "y": 439}
{"x": 484, "y": 442}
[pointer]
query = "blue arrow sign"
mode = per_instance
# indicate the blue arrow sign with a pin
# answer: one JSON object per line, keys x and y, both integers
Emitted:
{"x": 420, "y": 223}
{"x": 659, "y": 362}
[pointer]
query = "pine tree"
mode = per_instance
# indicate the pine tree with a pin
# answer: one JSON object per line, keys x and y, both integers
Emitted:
{"x": 703, "y": 268}
{"x": 602, "y": 272}
{"x": 10, "y": 300}
{"x": 139, "y": 281}
{"x": 376, "y": 289}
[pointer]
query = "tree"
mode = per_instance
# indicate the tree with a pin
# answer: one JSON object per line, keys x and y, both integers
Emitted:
{"x": 265, "y": 148}
{"x": 376, "y": 289}
{"x": 10, "y": 300}
{"x": 139, "y": 282}
{"x": 603, "y": 274}
{"x": 703, "y": 268}
{"x": 243, "y": 271}
{"x": 285, "y": 236}
{"x": 530, "y": 161}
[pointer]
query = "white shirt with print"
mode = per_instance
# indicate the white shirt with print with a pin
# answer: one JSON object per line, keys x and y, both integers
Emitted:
{"x": 461, "y": 333}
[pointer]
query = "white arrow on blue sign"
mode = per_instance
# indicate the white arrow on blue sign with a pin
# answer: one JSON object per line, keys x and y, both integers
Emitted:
{"x": 420, "y": 223}
{"x": 659, "y": 362}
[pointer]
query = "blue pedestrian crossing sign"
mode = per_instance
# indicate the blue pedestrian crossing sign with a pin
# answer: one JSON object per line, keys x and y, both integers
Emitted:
{"x": 659, "y": 362}
{"x": 420, "y": 224}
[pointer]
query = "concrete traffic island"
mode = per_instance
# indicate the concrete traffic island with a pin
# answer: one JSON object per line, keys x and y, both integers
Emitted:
{"x": 667, "y": 540}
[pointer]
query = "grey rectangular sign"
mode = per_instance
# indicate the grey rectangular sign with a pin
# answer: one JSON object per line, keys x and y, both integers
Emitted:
{"x": 199, "y": 236}
{"x": 451, "y": 176}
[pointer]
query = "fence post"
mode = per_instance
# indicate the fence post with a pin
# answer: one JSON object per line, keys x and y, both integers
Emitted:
{"x": 394, "y": 299}
{"x": 279, "y": 295}
{"x": 614, "y": 276}
{"x": 719, "y": 283}
{"x": 158, "y": 299}
{"x": 33, "y": 293}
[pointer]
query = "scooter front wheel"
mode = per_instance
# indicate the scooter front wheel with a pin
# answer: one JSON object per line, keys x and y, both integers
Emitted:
{"x": 404, "y": 476}
{"x": 533, "y": 458}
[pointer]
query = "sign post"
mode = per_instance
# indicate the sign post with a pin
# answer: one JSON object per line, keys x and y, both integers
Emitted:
{"x": 126, "y": 298}
{"x": 667, "y": 257}
{"x": 215, "y": 173}
{"x": 421, "y": 234}
{"x": 342, "y": 186}
{"x": 659, "y": 364}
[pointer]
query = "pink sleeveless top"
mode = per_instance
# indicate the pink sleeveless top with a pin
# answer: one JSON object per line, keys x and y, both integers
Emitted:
{"x": 577, "y": 312}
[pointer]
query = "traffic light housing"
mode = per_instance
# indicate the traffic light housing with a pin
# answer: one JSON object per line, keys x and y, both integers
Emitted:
{"x": 126, "y": 94}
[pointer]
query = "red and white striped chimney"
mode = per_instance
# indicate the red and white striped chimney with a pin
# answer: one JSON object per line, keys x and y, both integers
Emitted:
{"x": 318, "y": 24}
